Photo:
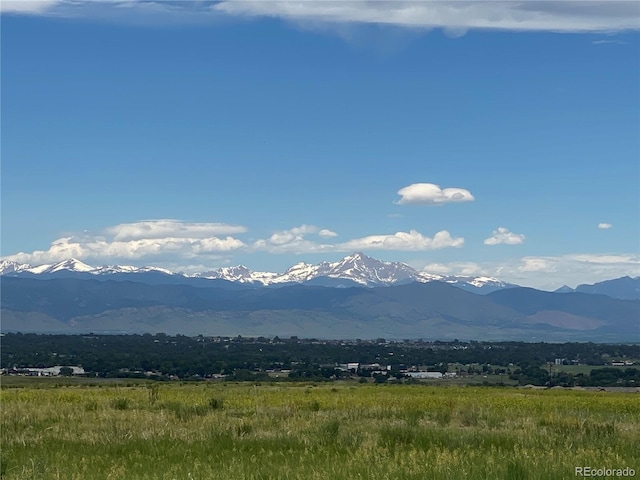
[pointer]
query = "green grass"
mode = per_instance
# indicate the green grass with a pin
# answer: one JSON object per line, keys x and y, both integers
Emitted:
{"x": 302, "y": 431}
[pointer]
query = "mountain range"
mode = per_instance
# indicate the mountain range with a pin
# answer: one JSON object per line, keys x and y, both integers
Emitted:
{"x": 373, "y": 299}
{"x": 623, "y": 287}
{"x": 353, "y": 270}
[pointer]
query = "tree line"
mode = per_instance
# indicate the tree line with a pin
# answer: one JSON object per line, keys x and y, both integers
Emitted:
{"x": 245, "y": 357}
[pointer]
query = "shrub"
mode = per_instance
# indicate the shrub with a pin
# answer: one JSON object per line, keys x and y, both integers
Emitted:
{"x": 216, "y": 403}
{"x": 120, "y": 403}
{"x": 153, "y": 394}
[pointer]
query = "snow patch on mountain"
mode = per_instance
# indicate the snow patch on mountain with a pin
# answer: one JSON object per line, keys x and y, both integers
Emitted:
{"x": 238, "y": 274}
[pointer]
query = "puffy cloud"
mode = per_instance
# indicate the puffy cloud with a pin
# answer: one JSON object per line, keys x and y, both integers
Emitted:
{"x": 503, "y": 236}
{"x": 604, "y": 226}
{"x": 455, "y": 17}
{"x": 294, "y": 241}
{"x": 532, "y": 264}
{"x": 133, "y": 241}
{"x": 294, "y": 234}
{"x": 431, "y": 194}
{"x": 405, "y": 241}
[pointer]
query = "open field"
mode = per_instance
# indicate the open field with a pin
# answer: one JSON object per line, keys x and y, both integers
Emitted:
{"x": 305, "y": 431}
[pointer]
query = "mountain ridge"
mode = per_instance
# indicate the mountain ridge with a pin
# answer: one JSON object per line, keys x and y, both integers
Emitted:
{"x": 434, "y": 310}
{"x": 356, "y": 269}
{"x": 353, "y": 270}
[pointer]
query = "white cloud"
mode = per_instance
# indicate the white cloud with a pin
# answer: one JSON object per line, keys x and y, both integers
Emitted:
{"x": 294, "y": 241}
{"x": 405, "y": 241}
{"x": 134, "y": 241}
{"x": 455, "y": 268}
{"x": 327, "y": 233}
{"x": 503, "y": 236}
{"x": 164, "y": 228}
{"x": 574, "y": 269}
{"x": 454, "y": 16}
{"x": 431, "y": 194}
{"x": 27, "y": 7}
{"x": 604, "y": 226}
{"x": 604, "y": 259}
{"x": 437, "y": 268}
{"x": 547, "y": 272}
{"x": 532, "y": 264}
{"x": 128, "y": 12}
{"x": 608, "y": 42}
{"x": 171, "y": 242}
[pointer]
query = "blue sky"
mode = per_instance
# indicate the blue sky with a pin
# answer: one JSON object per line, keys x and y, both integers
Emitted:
{"x": 492, "y": 138}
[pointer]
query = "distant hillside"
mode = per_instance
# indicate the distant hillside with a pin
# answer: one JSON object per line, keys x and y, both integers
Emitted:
{"x": 434, "y": 310}
{"x": 625, "y": 288}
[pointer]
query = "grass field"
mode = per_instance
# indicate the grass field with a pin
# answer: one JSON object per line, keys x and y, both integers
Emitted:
{"x": 303, "y": 431}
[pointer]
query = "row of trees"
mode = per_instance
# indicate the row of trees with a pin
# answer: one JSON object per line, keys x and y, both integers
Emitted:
{"x": 118, "y": 355}
{"x": 597, "y": 377}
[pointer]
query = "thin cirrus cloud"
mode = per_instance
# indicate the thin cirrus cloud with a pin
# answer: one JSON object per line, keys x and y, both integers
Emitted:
{"x": 546, "y": 272}
{"x": 455, "y": 17}
{"x": 432, "y": 194}
{"x": 502, "y": 236}
{"x": 28, "y": 7}
{"x": 572, "y": 269}
{"x": 604, "y": 226}
{"x": 177, "y": 228}
{"x": 616, "y": 264}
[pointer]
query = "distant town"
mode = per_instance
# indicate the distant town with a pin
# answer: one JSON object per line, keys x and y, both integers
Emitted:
{"x": 163, "y": 357}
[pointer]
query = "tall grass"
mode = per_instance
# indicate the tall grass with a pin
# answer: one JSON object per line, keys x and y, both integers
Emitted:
{"x": 346, "y": 431}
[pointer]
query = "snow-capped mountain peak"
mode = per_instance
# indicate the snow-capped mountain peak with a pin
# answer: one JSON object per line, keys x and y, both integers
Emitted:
{"x": 72, "y": 265}
{"x": 301, "y": 272}
{"x": 9, "y": 266}
{"x": 365, "y": 270}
